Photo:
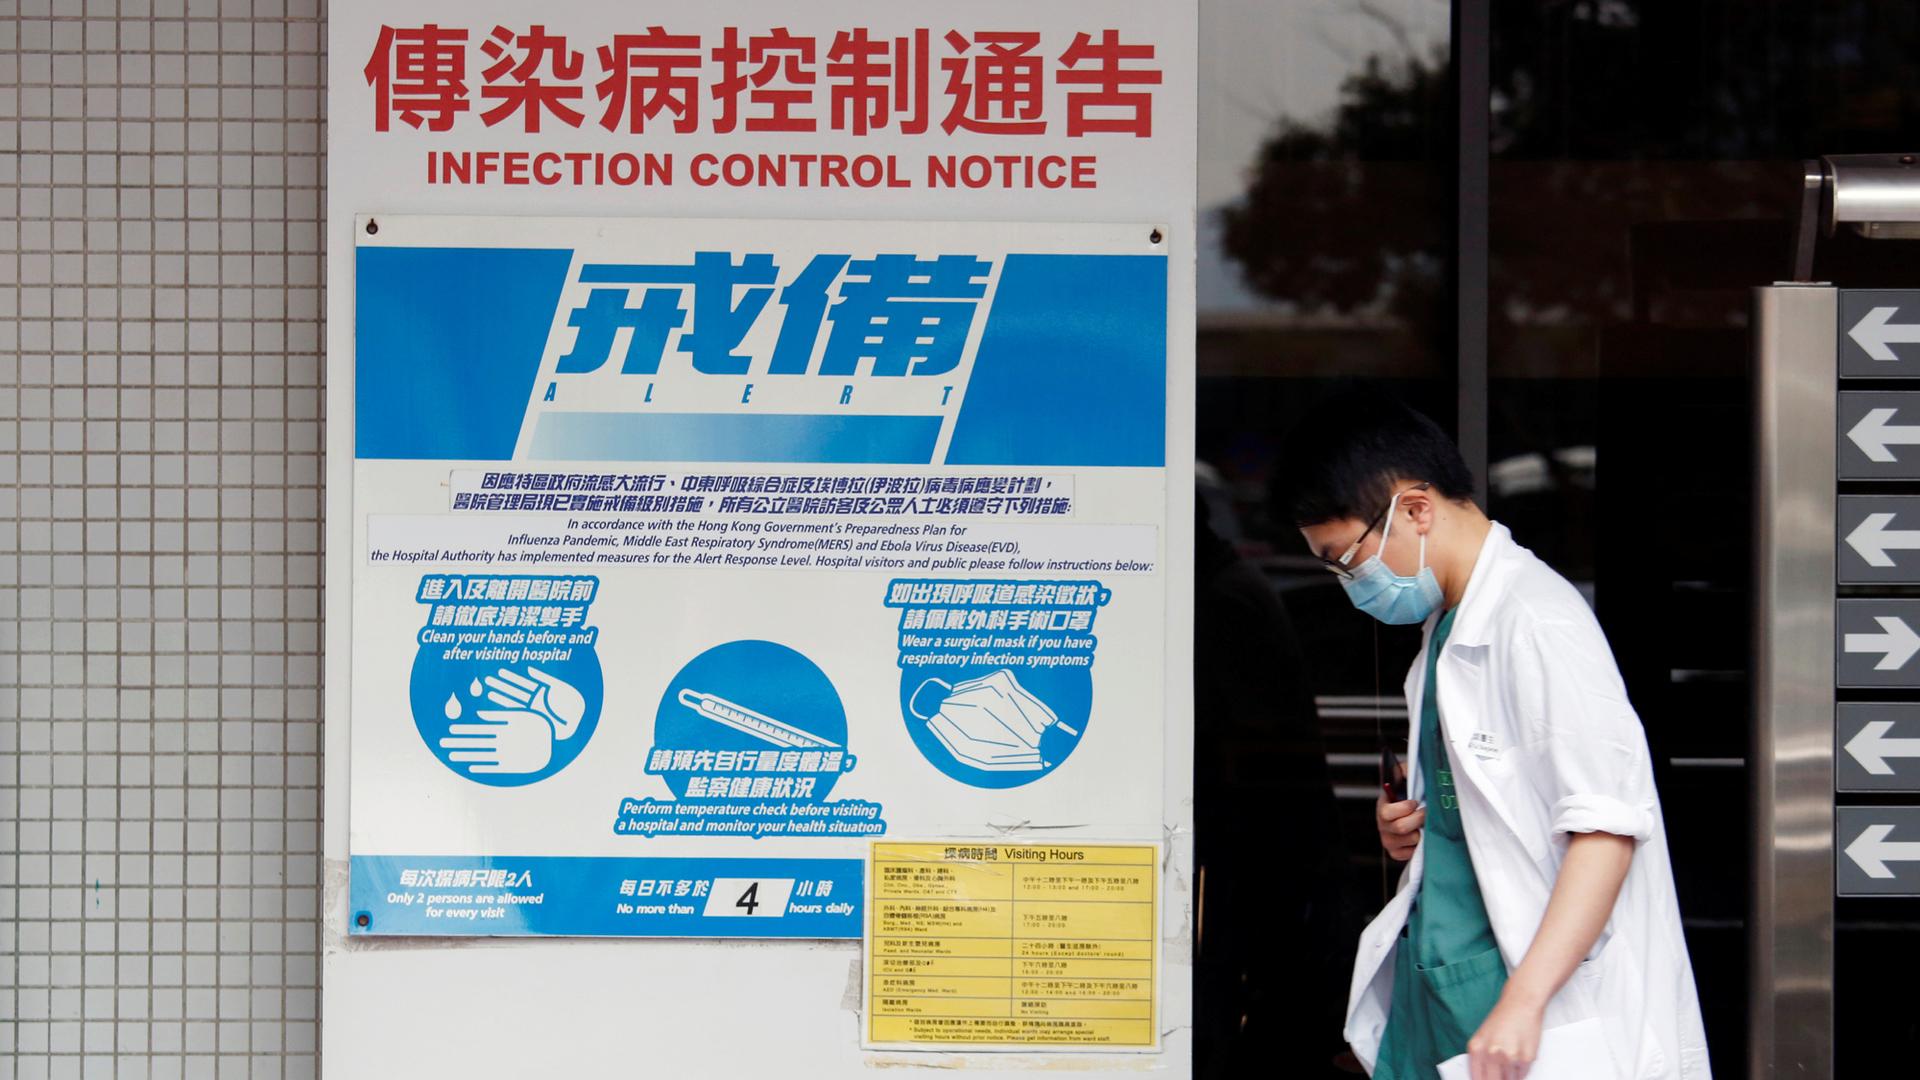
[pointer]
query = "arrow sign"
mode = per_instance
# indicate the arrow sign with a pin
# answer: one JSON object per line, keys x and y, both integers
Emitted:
{"x": 1872, "y": 443}
{"x": 1871, "y": 747}
{"x": 1896, "y": 643}
{"x": 1874, "y": 863}
{"x": 1876, "y": 331}
{"x": 1879, "y": 331}
{"x": 1873, "y": 539}
{"x": 1872, "y": 851}
{"x": 1875, "y": 639}
{"x": 1876, "y": 747}
{"x": 1871, "y": 546}
{"x": 1875, "y": 433}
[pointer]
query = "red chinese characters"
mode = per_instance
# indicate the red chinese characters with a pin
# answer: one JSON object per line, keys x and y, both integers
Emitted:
{"x": 875, "y": 80}
{"x": 648, "y": 74}
{"x": 516, "y": 82}
{"x": 775, "y": 70}
{"x": 994, "y": 82}
{"x": 1103, "y": 66}
{"x": 1000, "y": 89}
{"x": 420, "y": 74}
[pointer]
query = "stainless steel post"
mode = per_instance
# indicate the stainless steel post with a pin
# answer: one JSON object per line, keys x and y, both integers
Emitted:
{"x": 1791, "y": 920}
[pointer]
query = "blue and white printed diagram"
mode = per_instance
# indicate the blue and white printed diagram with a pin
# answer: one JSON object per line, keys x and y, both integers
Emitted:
{"x": 750, "y": 738}
{"x": 996, "y": 676}
{"x": 991, "y": 722}
{"x": 506, "y": 684}
{"x": 741, "y": 718}
{"x": 728, "y": 546}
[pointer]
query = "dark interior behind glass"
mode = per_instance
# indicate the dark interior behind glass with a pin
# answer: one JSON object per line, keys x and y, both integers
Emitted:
{"x": 1644, "y": 172}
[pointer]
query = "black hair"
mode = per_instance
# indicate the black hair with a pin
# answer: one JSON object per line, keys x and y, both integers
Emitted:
{"x": 1342, "y": 460}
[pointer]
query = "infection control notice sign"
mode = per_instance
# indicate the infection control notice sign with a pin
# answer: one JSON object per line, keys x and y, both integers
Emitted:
{"x": 754, "y": 431}
{"x": 1012, "y": 946}
{"x": 691, "y": 556}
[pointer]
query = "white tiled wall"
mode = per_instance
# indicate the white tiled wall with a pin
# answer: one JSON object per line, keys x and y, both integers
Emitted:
{"x": 160, "y": 401}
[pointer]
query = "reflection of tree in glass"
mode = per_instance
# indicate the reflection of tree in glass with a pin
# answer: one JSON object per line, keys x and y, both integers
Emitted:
{"x": 1628, "y": 138}
{"x": 1354, "y": 215}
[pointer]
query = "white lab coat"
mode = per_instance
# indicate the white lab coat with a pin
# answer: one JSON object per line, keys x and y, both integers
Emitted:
{"x": 1544, "y": 743}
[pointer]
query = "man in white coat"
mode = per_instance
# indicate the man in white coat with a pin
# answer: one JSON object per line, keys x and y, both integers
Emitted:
{"x": 1537, "y": 906}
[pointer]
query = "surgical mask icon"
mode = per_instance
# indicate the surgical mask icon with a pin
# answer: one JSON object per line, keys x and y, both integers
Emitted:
{"x": 990, "y": 723}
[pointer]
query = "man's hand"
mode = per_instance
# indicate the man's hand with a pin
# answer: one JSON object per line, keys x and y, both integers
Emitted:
{"x": 1399, "y": 824}
{"x": 1507, "y": 1042}
{"x": 1583, "y": 894}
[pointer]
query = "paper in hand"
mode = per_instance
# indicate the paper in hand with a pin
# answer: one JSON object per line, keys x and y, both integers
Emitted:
{"x": 1576, "y": 1051}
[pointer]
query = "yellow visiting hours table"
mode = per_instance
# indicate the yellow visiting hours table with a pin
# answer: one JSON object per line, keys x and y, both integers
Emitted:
{"x": 1013, "y": 946}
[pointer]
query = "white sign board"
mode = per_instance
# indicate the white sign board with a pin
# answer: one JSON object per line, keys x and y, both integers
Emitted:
{"x": 753, "y": 431}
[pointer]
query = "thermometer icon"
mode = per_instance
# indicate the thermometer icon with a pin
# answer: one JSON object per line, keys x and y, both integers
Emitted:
{"x": 759, "y": 725}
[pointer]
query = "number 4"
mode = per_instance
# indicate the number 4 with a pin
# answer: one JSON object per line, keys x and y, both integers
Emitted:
{"x": 750, "y": 898}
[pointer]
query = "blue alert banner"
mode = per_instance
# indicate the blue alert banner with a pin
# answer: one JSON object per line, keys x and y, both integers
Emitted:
{"x": 900, "y": 357}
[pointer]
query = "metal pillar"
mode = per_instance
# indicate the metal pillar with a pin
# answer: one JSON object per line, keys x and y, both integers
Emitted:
{"x": 1791, "y": 920}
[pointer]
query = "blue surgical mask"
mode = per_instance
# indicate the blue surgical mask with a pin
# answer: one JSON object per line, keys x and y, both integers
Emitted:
{"x": 1394, "y": 599}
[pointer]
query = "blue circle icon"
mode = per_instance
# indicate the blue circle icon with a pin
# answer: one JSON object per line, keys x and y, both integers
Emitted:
{"x": 996, "y": 728}
{"x": 747, "y": 717}
{"x": 506, "y": 723}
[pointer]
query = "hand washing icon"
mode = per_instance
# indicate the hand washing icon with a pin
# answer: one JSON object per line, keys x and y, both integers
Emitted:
{"x": 991, "y": 723}
{"x": 536, "y": 710}
{"x": 499, "y": 705}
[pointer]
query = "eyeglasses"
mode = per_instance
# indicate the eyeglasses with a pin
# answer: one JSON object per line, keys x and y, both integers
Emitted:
{"x": 1342, "y": 567}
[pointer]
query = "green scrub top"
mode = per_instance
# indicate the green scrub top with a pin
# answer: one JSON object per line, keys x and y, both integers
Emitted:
{"x": 1448, "y": 972}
